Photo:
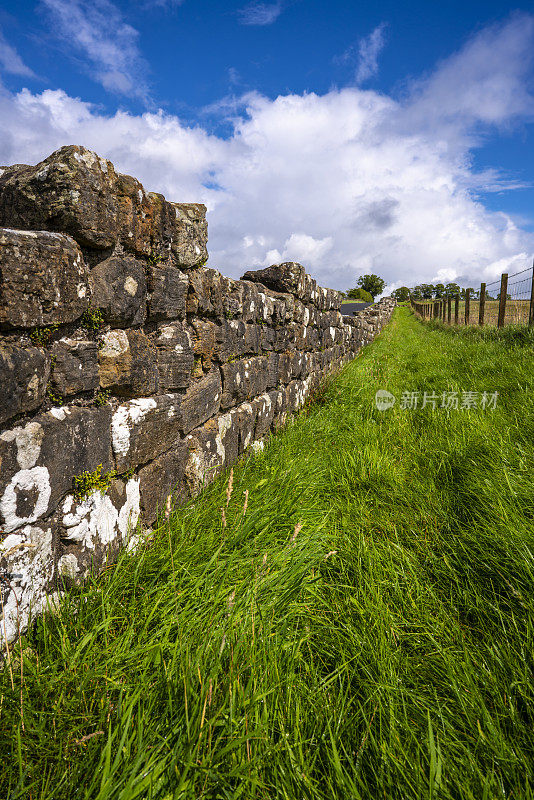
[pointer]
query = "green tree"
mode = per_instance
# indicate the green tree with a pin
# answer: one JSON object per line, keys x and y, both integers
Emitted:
{"x": 427, "y": 291}
{"x": 402, "y": 294}
{"x": 439, "y": 291}
{"x": 452, "y": 289}
{"x": 417, "y": 293}
{"x": 359, "y": 294}
{"x": 372, "y": 284}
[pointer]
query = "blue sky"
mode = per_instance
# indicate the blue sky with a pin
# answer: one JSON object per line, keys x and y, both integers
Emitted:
{"x": 394, "y": 138}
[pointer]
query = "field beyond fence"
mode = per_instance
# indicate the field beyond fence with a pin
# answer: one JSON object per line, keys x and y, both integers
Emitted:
{"x": 507, "y": 301}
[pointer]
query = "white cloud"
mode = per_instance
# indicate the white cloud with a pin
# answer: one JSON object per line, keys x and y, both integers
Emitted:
{"x": 260, "y": 13}
{"x": 11, "y": 62}
{"x": 98, "y": 31}
{"x": 347, "y": 182}
{"x": 368, "y": 51}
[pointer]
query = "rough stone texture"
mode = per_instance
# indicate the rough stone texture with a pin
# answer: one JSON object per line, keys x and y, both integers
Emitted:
{"x": 75, "y": 366}
{"x": 201, "y": 401}
{"x": 119, "y": 290}
{"x": 43, "y": 279}
{"x": 144, "y": 428}
{"x": 24, "y": 374}
{"x": 162, "y": 477}
{"x": 168, "y": 293}
{"x": 127, "y": 363}
{"x": 185, "y": 371}
{"x": 77, "y": 192}
{"x": 41, "y": 458}
{"x": 176, "y": 358}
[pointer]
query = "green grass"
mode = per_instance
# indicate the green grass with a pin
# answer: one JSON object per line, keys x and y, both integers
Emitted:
{"x": 385, "y": 651}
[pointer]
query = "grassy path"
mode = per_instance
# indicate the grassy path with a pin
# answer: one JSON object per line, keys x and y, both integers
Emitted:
{"x": 364, "y": 630}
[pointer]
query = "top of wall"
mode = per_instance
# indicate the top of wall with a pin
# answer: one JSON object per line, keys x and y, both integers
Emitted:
{"x": 77, "y": 193}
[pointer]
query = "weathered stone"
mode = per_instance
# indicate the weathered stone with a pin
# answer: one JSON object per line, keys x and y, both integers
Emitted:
{"x": 92, "y": 529}
{"x": 287, "y": 277}
{"x": 168, "y": 293}
{"x": 70, "y": 191}
{"x": 24, "y": 374}
{"x": 265, "y": 407}
{"x": 244, "y": 380}
{"x": 267, "y": 338}
{"x": 205, "y": 296}
{"x": 144, "y": 428}
{"x": 40, "y": 459}
{"x": 163, "y": 477}
{"x": 119, "y": 290}
{"x": 201, "y": 401}
{"x": 231, "y": 339}
{"x": 250, "y": 301}
{"x": 27, "y": 556}
{"x": 190, "y": 234}
{"x": 43, "y": 279}
{"x": 77, "y": 192}
{"x": 232, "y": 293}
{"x": 176, "y": 358}
{"x": 127, "y": 363}
{"x": 204, "y": 339}
{"x": 75, "y": 366}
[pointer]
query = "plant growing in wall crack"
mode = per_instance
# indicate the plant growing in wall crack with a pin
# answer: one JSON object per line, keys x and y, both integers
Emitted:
{"x": 88, "y": 482}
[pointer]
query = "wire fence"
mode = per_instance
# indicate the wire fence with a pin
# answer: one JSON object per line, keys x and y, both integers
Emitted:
{"x": 506, "y": 301}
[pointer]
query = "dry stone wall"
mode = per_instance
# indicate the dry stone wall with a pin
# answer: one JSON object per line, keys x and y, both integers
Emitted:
{"x": 129, "y": 371}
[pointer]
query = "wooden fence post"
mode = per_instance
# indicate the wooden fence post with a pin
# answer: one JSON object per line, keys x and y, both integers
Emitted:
{"x": 443, "y": 310}
{"x": 467, "y": 306}
{"x": 531, "y": 313}
{"x": 449, "y": 304}
{"x": 502, "y": 299}
{"x": 456, "y": 308}
{"x": 482, "y": 304}
{"x": 436, "y": 309}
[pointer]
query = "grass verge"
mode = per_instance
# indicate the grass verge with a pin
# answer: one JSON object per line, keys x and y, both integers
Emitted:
{"x": 364, "y": 628}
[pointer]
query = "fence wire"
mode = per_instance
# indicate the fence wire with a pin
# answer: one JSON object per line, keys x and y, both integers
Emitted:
{"x": 519, "y": 306}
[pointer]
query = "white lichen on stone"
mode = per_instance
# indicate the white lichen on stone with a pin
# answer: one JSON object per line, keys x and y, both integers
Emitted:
{"x": 130, "y": 285}
{"x": 26, "y": 481}
{"x": 30, "y": 562}
{"x": 123, "y": 420}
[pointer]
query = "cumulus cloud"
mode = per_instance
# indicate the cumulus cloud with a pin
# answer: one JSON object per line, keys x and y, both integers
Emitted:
{"x": 260, "y": 13}
{"x": 98, "y": 32}
{"x": 11, "y": 62}
{"x": 347, "y": 182}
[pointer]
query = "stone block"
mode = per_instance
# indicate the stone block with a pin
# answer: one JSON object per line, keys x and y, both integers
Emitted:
{"x": 24, "y": 373}
{"x": 168, "y": 293}
{"x": 28, "y": 557}
{"x": 201, "y": 401}
{"x": 244, "y": 380}
{"x": 119, "y": 290}
{"x": 127, "y": 363}
{"x": 41, "y": 458}
{"x": 287, "y": 277}
{"x": 144, "y": 428}
{"x": 175, "y": 357}
{"x": 265, "y": 407}
{"x": 75, "y": 366}
{"x": 43, "y": 279}
{"x": 205, "y": 296}
{"x": 204, "y": 336}
{"x": 92, "y": 529}
{"x": 163, "y": 477}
